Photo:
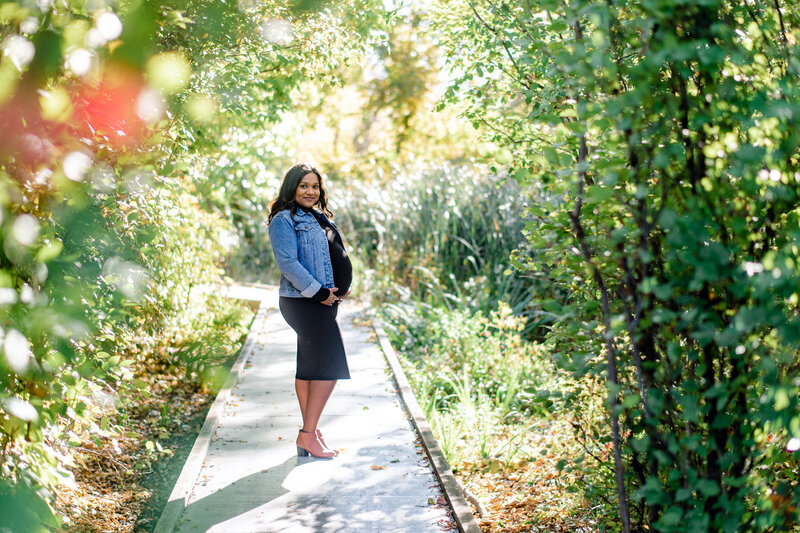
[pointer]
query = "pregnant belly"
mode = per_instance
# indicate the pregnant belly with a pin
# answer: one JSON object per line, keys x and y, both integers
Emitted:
{"x": 342, "y": 273}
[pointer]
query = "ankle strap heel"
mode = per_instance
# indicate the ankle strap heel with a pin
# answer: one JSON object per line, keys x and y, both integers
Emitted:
{"x": 310, "y": 445}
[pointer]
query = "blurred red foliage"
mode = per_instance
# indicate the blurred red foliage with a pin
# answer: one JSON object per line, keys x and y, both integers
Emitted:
{"x": 107, "y": 109}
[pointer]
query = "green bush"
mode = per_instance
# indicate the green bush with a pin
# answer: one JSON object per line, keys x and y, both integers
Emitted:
{"x": 475, "y": 376}
{"x": 122, "y": 288}
{"x": 664, "y": 137}
{"x": 443, "y": 346}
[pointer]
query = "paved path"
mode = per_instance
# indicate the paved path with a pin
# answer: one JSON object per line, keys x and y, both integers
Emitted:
{"x": 252, "y": 480}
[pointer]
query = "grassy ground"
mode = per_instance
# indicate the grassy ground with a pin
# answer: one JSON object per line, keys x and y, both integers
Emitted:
{"x": 123, "y": 484}
{"x": 532, "y": 493}
{"x": 494, "y": 403}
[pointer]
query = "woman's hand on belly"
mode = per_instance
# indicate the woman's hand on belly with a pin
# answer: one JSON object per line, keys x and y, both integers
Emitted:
{"x": 332, "y": 298}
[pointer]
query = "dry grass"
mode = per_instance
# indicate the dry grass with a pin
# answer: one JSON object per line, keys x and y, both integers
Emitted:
{"x": 114, "y": 482}
{"x": 532, "y": 494}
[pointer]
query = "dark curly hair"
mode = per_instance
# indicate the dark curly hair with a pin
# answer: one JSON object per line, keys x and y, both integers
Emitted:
{"x": 286, "y": 195}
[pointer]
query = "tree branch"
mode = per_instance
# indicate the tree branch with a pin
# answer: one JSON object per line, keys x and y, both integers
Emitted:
{"x": 520, "y": 76}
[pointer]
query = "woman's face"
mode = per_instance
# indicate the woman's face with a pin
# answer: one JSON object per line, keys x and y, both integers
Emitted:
{"x": 307, "y": 194}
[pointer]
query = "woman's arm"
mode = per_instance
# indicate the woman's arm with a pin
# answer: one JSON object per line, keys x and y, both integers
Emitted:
{"x": 284, "y": 247}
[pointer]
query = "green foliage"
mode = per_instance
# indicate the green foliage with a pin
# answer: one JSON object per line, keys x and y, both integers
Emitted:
{"x": 110, "y": 258}
{"x": 658, "y": 142}
{"x": 405, "y": 67}
{"x": 24, "y": 510}
{"x": 474, "y": 374}
{"x": 441, "y": 345}
{"x": 446, "y": 234}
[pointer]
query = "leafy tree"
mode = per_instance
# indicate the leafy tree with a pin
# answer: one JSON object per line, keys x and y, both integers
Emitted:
{"x": 660, "y": 140}
{"x": 107, "y": 246}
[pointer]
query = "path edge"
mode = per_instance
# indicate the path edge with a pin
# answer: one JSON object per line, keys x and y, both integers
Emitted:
{"x": 176, "y": 502}
{"x": 462, "y": 513}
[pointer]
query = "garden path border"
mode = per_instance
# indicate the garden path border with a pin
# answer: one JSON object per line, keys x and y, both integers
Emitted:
{"x": 176, "y": 503}
{"x": 462, "y": 513}
{"x": 194, "y": 462}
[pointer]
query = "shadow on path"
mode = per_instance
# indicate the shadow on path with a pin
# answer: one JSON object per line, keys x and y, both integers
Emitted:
{"x": 237, "y": 498}
{"x": 379, "y": 483}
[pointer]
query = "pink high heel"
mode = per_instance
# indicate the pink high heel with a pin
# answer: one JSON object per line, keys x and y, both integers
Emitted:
{"x": 308, "y": 443}
{"x": 319, "y": 436}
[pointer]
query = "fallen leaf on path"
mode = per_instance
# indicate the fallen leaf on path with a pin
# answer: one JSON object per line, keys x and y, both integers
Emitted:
{"x": 445, "y": 525}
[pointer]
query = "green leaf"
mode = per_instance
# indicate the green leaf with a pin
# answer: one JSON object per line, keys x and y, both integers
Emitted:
{"x": 782, "y": 400}
{"x": 50, "y": 251}
{"x": 708, "y": 488}
{"x": 671, "y": 518}
{"x": 596, "y": 193}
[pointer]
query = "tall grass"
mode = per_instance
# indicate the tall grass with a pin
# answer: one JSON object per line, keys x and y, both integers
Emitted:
{"x": 478, "y": 380}
{"x": 463, "y": 356}
{"x": 446, "y": 234}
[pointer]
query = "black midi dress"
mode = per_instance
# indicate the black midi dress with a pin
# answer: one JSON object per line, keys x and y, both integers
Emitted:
{"x": 320, "y": 350}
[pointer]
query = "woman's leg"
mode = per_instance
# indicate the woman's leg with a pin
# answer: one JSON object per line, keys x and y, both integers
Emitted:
{"x": 301, "y": 388}
{"x": 318, "y": 393}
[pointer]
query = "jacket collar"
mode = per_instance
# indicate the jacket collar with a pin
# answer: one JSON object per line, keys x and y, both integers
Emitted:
{"x": 302, "y": 213}
{"x": 314, "y": 213}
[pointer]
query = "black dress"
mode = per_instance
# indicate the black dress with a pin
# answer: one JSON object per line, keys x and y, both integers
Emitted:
{"x": 320, "y": 350}
{"x": 342, "y": 269}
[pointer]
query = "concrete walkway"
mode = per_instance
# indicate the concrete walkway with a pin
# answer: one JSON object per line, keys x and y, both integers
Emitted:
{"x": 251, "y": 479}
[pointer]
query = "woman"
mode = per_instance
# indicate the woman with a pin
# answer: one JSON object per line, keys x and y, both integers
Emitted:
{"x": 315, "y": 276}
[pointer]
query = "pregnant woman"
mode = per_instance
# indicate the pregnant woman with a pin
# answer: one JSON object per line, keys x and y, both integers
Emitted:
{"x": 315, "y": 276}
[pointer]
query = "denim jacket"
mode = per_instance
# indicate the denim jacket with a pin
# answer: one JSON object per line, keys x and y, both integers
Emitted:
{"x": 301, "y": 253}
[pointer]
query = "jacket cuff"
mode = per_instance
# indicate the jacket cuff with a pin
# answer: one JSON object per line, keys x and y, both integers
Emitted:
{"x": 311, "y": 290}
{"x": 321, "y": 295}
